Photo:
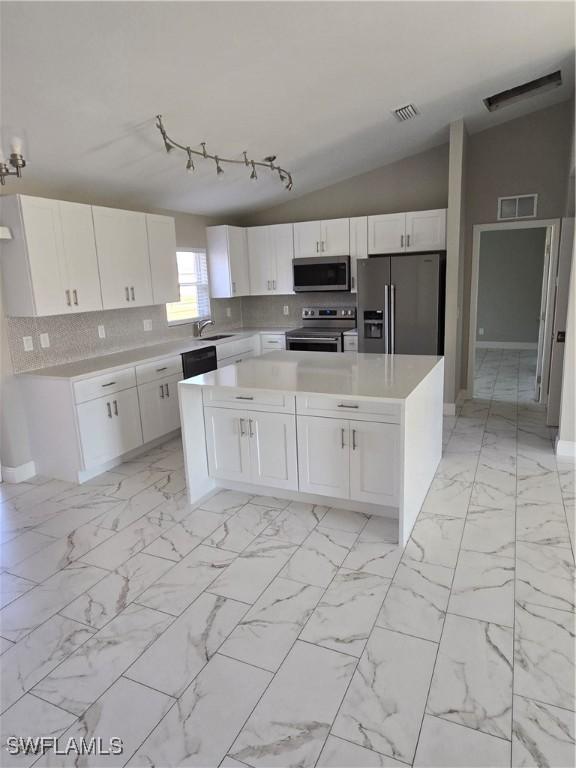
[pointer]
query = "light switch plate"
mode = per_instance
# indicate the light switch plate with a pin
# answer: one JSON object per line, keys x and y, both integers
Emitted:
{"x": 147, "y": 325}
{"x": 44, "y": 340}
{"x": 101, "y": 332}
{"x": 28, "y": 343}
{"x": 228, "y": 312}
{"x": 286, "y": 309}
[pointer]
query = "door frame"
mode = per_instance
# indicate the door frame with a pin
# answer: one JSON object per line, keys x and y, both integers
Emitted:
{"x": 477, "y": 230}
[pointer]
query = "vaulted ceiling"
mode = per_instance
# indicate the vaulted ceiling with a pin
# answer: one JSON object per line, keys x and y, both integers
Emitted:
{"x": 312, "y": 82}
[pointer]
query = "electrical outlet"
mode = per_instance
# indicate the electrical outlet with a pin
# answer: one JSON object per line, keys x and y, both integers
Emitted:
{"x": 101, "y": 332}
{"x": 286, "y": 309}
{"x": 480, "y": 331}
{"x": 147, "y": 325}
{"x": 28, "y": 343}
{"x": 44, "y": 340}
{"x": 228, "y": 311}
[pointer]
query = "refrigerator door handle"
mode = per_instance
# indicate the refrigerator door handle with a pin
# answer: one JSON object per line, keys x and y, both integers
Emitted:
{"x": 392, "y": 312}
{"x": 386, "y": 332}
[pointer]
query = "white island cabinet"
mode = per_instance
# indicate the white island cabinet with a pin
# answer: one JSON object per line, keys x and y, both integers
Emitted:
{"x": 362, "y": 432}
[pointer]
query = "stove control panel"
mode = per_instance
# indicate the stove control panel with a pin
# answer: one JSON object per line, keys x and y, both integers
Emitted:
{"x": 329, "y": 313}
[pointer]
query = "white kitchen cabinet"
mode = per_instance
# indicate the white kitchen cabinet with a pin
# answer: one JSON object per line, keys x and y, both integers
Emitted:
{"x": 307, "y": 239}
{"x": 270, "y": 254}
{"x": 358, "y": 247}
{"x": 350, "y": 342}
{"x": 109, "y": 426}
{"x": 228, "y": 262}
{"x": 50, "y": 265}
{"x": 330, "y": 237}
{"x": 386, "y": 233}
{"x": 163, "y": 265}
{"x": 426, "y": 230}
{"x": 122, "y": 248}
{"x": 226, "y": 444}
{"x": 374, "y": 462}
{"x": 282, "y": 237}
{"x": 272, "y": 342}
{"x": 159, "y": 407}
{"x": 323, "y": 456}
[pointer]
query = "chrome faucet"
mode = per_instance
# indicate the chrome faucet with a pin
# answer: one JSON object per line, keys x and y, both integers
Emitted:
{"x": 201, "y": 324}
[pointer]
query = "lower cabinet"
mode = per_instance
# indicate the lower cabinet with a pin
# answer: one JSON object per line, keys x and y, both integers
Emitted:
{"x": 159, "y": 407}
{"x": 109, "y": 426}
{"x": 252, "y": 447}
{"x": 356, "y": 460}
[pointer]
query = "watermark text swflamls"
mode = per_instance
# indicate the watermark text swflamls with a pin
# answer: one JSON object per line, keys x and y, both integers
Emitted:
{"x": 39, "y": 745}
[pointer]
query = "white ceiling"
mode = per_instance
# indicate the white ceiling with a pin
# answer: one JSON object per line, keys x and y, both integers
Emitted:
{"x": 311, "y": 82}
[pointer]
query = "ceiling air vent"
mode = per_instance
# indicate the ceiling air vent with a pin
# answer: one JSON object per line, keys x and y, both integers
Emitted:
{"x": 524, "y": 91}
{"x": 517, "y": 207}
{"x": 407, "y": 112}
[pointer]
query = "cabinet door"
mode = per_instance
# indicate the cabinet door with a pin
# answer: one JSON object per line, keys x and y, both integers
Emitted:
{"x": 282, "y": 237}
{"x": 41, "y": 220}
{"x": 122, "y": 248}
{"x": 79, "y": 249}
{"x": 358, "y": 247}
{"x": 335, "y": 237}
{"x": 163, "y": 265}
{"x": 159, "y": 407}
{"x": 426, "y": 230}
{"x": 261, "y": 261}
{"x": 273, "y": 449}
{"x": 227, "y": 444}
{"x": 387, "y": 233}
{"x": 238, "y": 259}
{"x": 323, "y": 456}
{"x": 374, "y": 462}
{"x": 307, "y": 239}
{"x": 109, "y": 427}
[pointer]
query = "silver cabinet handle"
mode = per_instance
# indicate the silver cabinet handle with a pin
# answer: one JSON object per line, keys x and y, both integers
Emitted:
{"x": 162, "y": 391}
{"x": 132, "y": 293}
{"x": 115, "y": 407}
{"x": 344, "y": 405}
{"x": 274, "y": 285}
{"x": 244, "y": 397}
{"x": 342, "y": 438}
{"x": 109, "y": 410}
{"x": 242, "y": 432}
{"x": 392, "y": 324}
{"x": 110, "y": 383}
{"x": 233, "y": 286}
{"x": 317, "y": 244}
{"x": 75, "y": 294}
{"x": 352, "y": 282}
{"x": 386, "y": 333}
{"x": 159, "y": 370}
{"x": 250, "y": 427}
{"x": 323, "y": 244}
{"x": 407, "y": 241}
{"x": 68, "y": 302}
{"x": 127, "y": 293}
{"x": 401, "y": 241}
{"x": 353, "y": 439}
{"x": 167, "y": 390}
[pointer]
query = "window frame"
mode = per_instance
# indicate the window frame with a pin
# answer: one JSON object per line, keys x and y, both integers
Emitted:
{"x": 199, "y": 318}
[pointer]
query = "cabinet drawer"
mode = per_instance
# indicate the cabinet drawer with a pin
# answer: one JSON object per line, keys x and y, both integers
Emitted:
{"x": 159, "y": 369}
{"x": 272, "y": 341}
{"x": 350, "y": 343}
{"x": 100, "y": 386}
{"x": 234, "y": 348}
{"x": 228, "y": 397}
{"x": 333, "y": 407}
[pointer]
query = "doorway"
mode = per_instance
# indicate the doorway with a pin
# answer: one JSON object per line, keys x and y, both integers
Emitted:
{"x": 512, "y": 297}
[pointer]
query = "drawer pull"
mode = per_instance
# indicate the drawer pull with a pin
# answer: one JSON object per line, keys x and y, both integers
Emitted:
{"x": 343, "y": 405}
{"x": 159, "y": 370}
{"x": 110, "y": 384}
{"x": 244, "y": 397}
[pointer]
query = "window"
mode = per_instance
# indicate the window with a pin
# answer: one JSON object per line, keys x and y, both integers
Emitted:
{"x": 194, "y": 301}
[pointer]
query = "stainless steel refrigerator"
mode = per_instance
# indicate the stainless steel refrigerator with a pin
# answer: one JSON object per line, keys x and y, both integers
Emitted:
{"x": 401, "y": 304}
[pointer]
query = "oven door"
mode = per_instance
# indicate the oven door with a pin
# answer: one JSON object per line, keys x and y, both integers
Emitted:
{"x": 321, "y": 273}
{"x": 314, "y": 343}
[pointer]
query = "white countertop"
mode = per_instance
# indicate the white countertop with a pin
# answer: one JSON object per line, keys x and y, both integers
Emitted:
{"x": 108, "y": 363}
{"x": 353, "y": 375}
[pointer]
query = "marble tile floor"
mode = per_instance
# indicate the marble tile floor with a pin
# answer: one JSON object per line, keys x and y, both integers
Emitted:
{"x": 251, "y": 631}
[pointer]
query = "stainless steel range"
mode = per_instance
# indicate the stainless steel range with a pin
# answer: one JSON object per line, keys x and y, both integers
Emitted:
{"x": 322, "y": 329}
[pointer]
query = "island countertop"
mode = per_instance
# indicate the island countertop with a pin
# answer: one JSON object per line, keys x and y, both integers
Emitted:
{"x": 390, "y": 377}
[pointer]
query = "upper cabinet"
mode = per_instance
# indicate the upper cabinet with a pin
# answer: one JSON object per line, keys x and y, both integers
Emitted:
{"x": 69, "y": 257}
{"x": 122, "y": 247}
{"x": 270, "y": 254}
{"x": 407, "y": 232}
{"x": 322, "y": 238}
{"x": 228, "y": 262}
{"x": 358, "y": 247}
{"x": 163, "y": 265}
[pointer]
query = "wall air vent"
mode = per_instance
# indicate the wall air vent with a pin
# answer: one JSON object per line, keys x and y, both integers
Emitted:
{"x": 524, "y": 91}
{"x": 407, "y": 112}
{"x": 517, "y": 207}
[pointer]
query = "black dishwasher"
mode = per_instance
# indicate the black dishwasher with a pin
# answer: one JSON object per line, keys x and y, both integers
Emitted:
{"x": 198, "y": 361}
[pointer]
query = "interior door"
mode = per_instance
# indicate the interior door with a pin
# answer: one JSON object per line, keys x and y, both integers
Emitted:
{"x": 273, "y": 457}
{"x": 386, "y": 233}
{"x": 374, "y": 462}
{"x": 163, "y": 264}
{"x": 227, "y": 444}
{"x": 426, "y": 230}
{"x": 79, "y": 248}
{"x": 539, "y": 394}
{"x": 261, "y": 259}
{"x": 335, "y": 237}
{"x": 415, "y": 305}
{"x": 307, "y": 239}
{"x": 282, "y": 236}
{"x": 323, "y": 456}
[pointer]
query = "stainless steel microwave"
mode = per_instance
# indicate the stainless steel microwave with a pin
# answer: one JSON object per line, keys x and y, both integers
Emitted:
{"x": 321, "y": 273}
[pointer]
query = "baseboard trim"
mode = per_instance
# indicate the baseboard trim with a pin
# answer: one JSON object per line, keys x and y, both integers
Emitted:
{"x": 449, "y": 409}
{"x": 566, "y": 448}
{"x": 506, "y": 345}
{"x": 18, "y": 474}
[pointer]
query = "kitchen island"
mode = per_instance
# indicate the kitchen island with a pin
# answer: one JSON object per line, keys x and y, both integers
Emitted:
{"x": 358, "y": 431}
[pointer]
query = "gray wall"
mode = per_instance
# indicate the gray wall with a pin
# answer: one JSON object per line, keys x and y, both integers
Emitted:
{"x": 415, "y": 183}
{"x": 510, "y": 285}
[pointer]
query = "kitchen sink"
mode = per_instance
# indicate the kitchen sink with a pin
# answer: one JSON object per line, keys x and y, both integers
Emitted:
{"x": 217, "y": 337}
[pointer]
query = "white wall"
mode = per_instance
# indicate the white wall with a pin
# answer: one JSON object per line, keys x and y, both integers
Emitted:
{"x": 566, "y": 444}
